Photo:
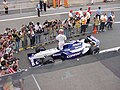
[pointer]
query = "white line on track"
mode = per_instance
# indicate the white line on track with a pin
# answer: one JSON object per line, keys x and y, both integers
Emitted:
{"x": 111, "y": 49}
{"x": 36, "y": 82}
{"x": 106, "y": 9}
{"x": 117, "y": 22}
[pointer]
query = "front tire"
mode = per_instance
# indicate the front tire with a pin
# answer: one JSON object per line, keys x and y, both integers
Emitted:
{"x": 93, "y": 51}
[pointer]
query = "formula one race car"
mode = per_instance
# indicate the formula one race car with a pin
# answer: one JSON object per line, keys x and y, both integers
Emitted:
{"x": 73, "y": 49}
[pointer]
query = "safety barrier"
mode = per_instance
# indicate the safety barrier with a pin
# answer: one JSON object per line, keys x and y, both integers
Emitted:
{"x": 49, "y": 37}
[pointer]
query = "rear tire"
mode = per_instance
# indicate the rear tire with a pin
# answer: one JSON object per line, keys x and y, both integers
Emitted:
{"x": 48, "y": 60}
{"x": 39, "y": 48}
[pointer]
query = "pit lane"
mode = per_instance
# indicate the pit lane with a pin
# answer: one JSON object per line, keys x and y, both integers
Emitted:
{"x": 99, "y": 71}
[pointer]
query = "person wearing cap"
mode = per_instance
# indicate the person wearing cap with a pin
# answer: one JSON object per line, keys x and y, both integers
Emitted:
{"x": 77, "y": 15}
{"x": 88, "y": 17}
{"x": 89, "y": 10}
{"x": 71, "y": 14}
{"x": 88, "y": 14}
{"x": 61, "y": 39}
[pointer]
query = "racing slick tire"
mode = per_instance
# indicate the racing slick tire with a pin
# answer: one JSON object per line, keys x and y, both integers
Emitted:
{"x": 62, "y": 58}
{"x": 48, "y": 60}
{"x": 93, "y": 50}
{"x": 39, "y": 48}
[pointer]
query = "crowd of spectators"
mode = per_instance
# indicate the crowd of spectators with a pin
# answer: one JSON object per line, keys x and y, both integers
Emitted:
{"x": 102, "y": 21}
{"x": 8, "y": 63}
{"x": 11, "y": 40}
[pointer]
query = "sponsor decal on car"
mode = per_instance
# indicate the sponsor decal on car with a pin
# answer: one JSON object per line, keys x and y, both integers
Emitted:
{"x": 77, "y": 44}
{"x": 73, "y": 55}
{"x": 58, "y": 54}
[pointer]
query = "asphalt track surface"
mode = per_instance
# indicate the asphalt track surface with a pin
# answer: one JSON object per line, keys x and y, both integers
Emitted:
{"x": 99, "y": 72}
{"x": 104, "y": 77}
{"x": 92, "y": 72}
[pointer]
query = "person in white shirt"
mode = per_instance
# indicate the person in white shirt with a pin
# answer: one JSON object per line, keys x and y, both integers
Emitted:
{"x": 88, "y": 17}
{"x": 80, "y": 13}
{"x": 38, "y": 30}
{"x": 71, "y": 14}
{"x": 44, "y": 4}
{"x": 5, "y": 2}
{"x": 92, "y": 1}
{"x": 38, "y": 26}
{"x": 32, "y": 37}
{"x": 103, "y": 20}
{"x": 5, "y": 6}
{"x": 61, "y": 38}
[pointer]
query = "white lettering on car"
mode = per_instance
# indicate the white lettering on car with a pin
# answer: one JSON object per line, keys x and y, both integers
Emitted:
{"x": 76, "y": 54}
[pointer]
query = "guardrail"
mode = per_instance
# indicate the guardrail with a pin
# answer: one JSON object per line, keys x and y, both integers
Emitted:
{"x": 49, "y": 37}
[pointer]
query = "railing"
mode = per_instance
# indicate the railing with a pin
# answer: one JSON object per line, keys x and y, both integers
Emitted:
{"x": 49, "y": 36}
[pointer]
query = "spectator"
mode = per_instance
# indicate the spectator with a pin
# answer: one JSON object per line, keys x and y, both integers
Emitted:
{"x": 71, "y": 14}
{"x": 113, "y": 16}
{"x": 65, "y": 27}
{"x": 83, "y": 24}
{"x": 1, "y": 52}
{"x": 32, "y": 37}
{"x": 98, "y": 13}
{"x": 5, "y": 6}
{"x": 80, "y": 13}
{"x": 88, "y": 17}
{"x": 59, "y": 24}
{"x": 17, "y": 40}
{"x": 110, "y": 20}
{"x": 77, "y": 26}
{"x": 96, "y": 22}
{"x": 6, "y": 30}
{"x": 38, "y": 9}
{"x": 38, "y": 31}
{"x": 5, "y": 2}
{"x": 24, "y": 37}
{"x": 41, "y": 4}
{"x": 77, "y": 15}
{"x": 44, "y": 4}
{"x": 70, "y": 26}
{"x": 92, "y": 2}
{"x": 103, "y": 20}
{"x": 61, "y": 38}
{"x": 89, "y": 10}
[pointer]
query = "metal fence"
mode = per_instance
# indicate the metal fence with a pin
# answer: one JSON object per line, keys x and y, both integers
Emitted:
{"x": 50, "y": 36}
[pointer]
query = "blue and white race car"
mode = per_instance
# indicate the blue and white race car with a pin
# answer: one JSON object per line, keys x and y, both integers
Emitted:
{"x": 73, "y": 49}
